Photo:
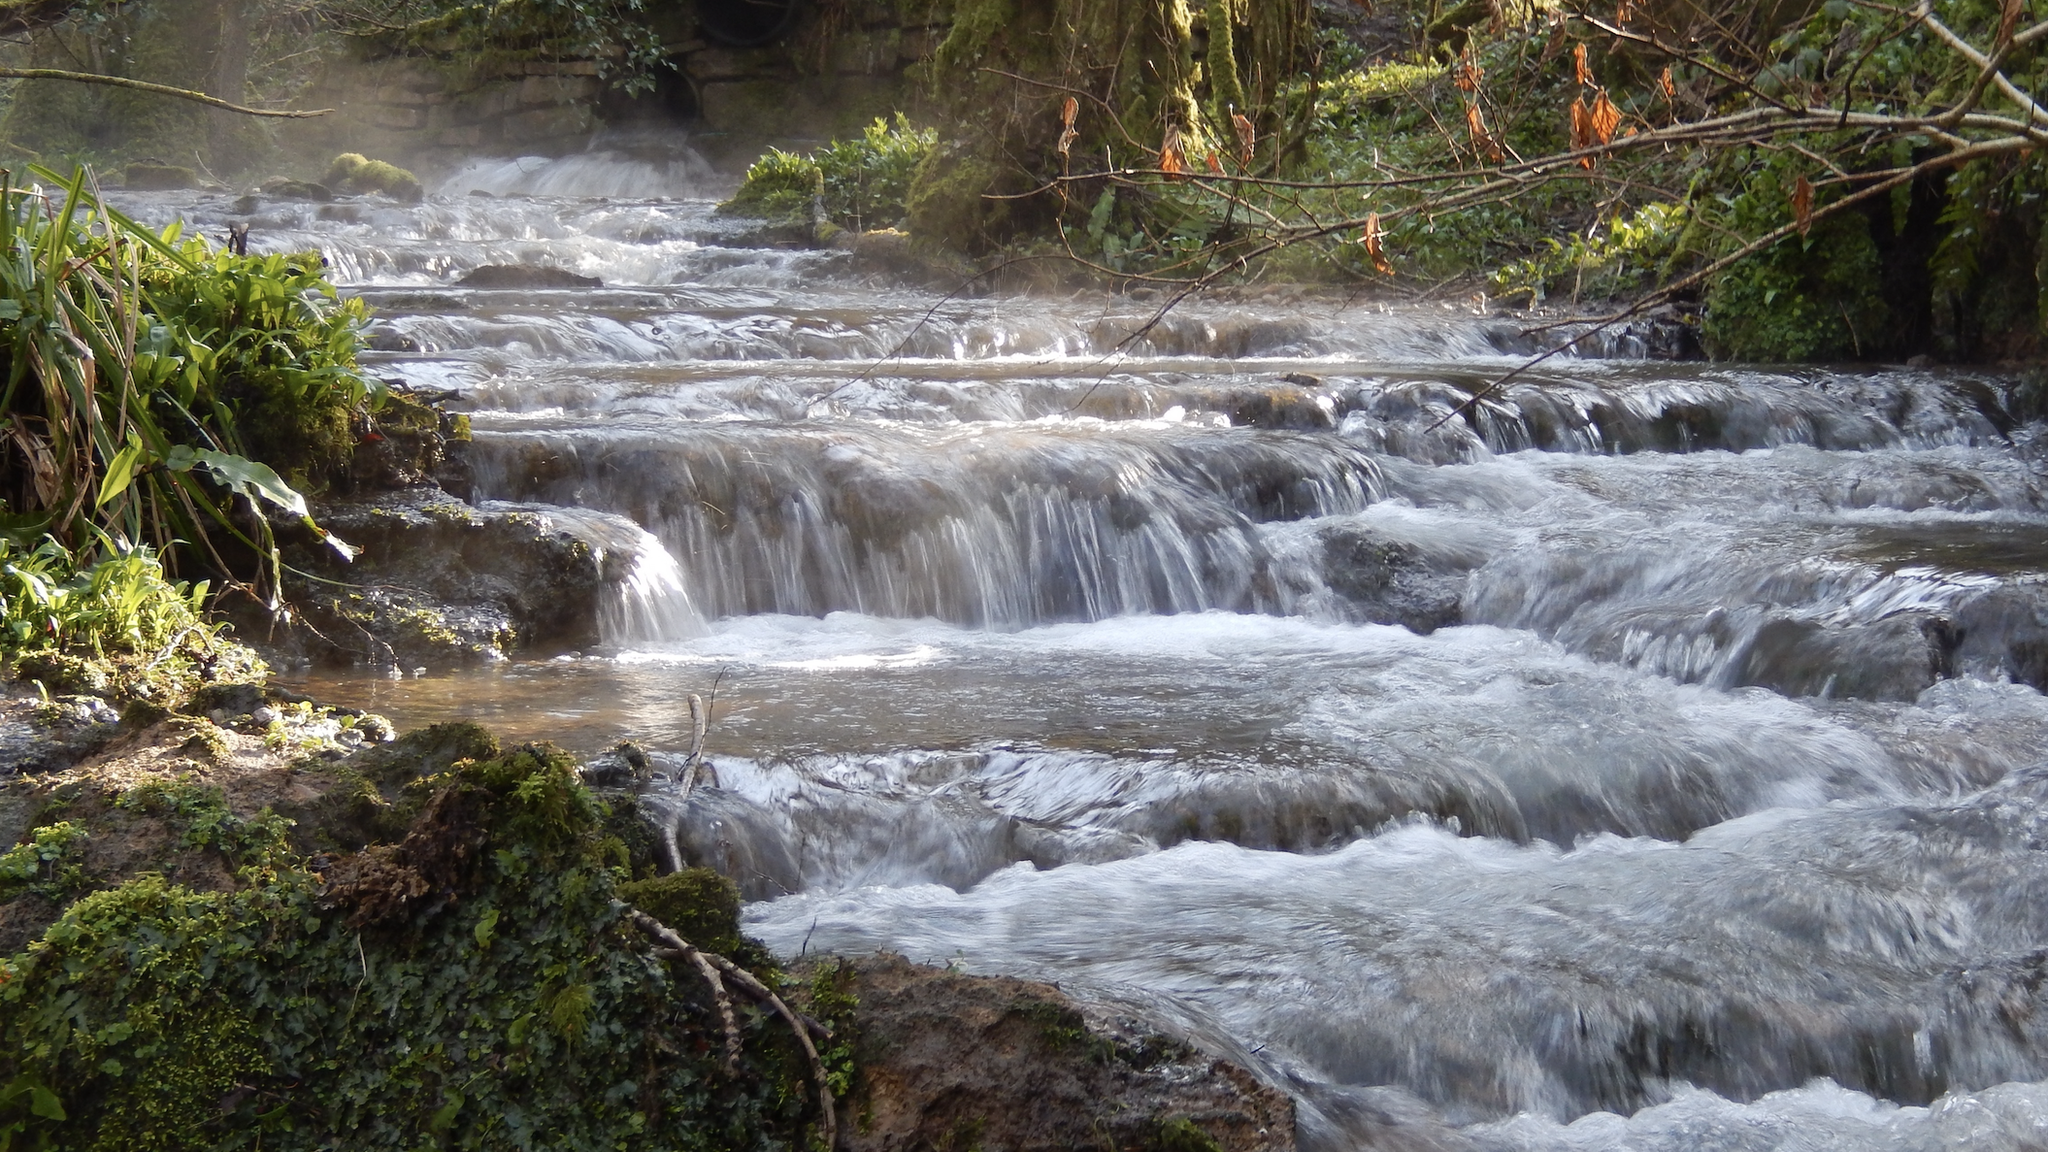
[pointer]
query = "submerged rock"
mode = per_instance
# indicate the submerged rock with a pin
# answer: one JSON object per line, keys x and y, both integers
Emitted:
{"x": 1390, "y": 581}
{"x": 147, "y": 177}
{"x": 287, "y": 189}
{"x": 526, "y": 276}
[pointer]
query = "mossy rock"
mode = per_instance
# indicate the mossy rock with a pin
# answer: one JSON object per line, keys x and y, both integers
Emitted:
{"x": 425, "y": 752}
{"x": 701, "y": 905}
{"x": 354, "y": 172}
{"x": 63, "y": 672}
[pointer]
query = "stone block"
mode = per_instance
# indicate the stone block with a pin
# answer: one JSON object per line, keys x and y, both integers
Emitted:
{"x": 556, "y": 89}
{"x": 545, "y": 123}
{"x": 466, "y": 137}
{"x": 389, "y": 116}
{"x": 729, "y": 64}
{"x": 866, "y": 53}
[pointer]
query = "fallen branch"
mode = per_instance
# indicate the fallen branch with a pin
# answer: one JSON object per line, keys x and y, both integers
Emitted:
{"x": 711, "y": 963}
{"x": 159, "y": 89}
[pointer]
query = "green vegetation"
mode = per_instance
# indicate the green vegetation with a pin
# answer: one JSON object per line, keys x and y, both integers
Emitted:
{"x": 862, "y": 184}
{"x": 473, "y": 984}
{"x": 135, "y": 633}
{"x": 1533, "y": 149}
{"x": 148, "y": 383}
{"x": 44, "y": 863}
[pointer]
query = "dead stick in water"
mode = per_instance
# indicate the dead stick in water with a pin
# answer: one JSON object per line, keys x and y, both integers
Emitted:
{"x": 697, "y": 726}
{"x": 159, "y": 89}
{"x": 828, "y": 1122}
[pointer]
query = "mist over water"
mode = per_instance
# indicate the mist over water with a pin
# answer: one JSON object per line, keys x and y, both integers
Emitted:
{"x": 1650, "y": 758}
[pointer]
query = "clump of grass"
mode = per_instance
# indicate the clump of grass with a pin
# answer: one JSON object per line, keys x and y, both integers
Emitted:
{"x": 131, "y": 631}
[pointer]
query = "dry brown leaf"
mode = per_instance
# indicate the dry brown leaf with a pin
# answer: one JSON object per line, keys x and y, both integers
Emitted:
{"x": 1664, "y": 82}
{"x": 1468, "y": 73}
{"x": 42, "y": 463}
{"x": 1215, "y": 165}
{"x": 1604, "y": 118}
{"x": 1069, "y": 111}
{"x": 1582, "y": 131}
{"x": 1247, "y": 137}
{"x": 1171, "y": 160}
{"x": 1482, "y": 140}
{"x": 1374, "y": 244}
{"x": 1580, "y": 70}
{"x": 1624, "y": 12}
{"x": 2008, "y": 21}
{"x": 1802, "y": 204}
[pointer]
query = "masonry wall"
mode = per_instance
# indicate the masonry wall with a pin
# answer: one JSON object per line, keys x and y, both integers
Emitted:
{"x": 845, "y": 63}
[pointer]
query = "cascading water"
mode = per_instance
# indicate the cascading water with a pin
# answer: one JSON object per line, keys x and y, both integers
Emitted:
{"x": 1648, "y": 759}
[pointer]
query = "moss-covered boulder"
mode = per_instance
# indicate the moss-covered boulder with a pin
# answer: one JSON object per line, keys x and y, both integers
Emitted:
{"x": 353, "y": 172}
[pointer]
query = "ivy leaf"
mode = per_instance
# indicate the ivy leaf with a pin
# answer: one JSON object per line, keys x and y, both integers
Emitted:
{"x": 444, "y": 1116}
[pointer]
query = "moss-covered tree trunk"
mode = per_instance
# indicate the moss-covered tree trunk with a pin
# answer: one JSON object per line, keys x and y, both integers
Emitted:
{"x": 1138, "y": 71}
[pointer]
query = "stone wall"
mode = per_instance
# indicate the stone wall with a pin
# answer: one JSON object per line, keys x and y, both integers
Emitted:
{"x": 843, "y": 64}
{"x": 422, "y": 111}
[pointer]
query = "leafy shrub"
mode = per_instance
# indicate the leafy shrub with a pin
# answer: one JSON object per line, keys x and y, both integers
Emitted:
{"x": 865, "y": 182}
{"x": 1616, "y": 259}
{"x": 43, "y": 863}
{"x": 1812, "y": 297}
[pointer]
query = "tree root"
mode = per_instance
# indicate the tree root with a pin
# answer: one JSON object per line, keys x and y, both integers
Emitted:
{"x": 710, "y": 964}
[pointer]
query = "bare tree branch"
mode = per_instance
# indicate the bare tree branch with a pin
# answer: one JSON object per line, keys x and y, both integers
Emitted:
{"x": 159, "y": 89}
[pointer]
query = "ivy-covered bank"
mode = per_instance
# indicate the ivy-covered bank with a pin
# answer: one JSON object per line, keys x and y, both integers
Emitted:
{"x": 423, "y": 944}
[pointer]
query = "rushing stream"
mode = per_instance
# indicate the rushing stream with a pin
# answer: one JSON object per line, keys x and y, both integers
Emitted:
{"x": 1652, "y": 759}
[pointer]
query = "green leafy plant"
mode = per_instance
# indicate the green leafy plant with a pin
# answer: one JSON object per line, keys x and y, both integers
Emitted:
{"x": 862, "y": 183}
{"x": 44, "y": 864}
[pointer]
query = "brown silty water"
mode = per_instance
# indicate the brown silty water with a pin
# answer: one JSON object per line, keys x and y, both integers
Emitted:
{"x": 1646, "y": 759}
